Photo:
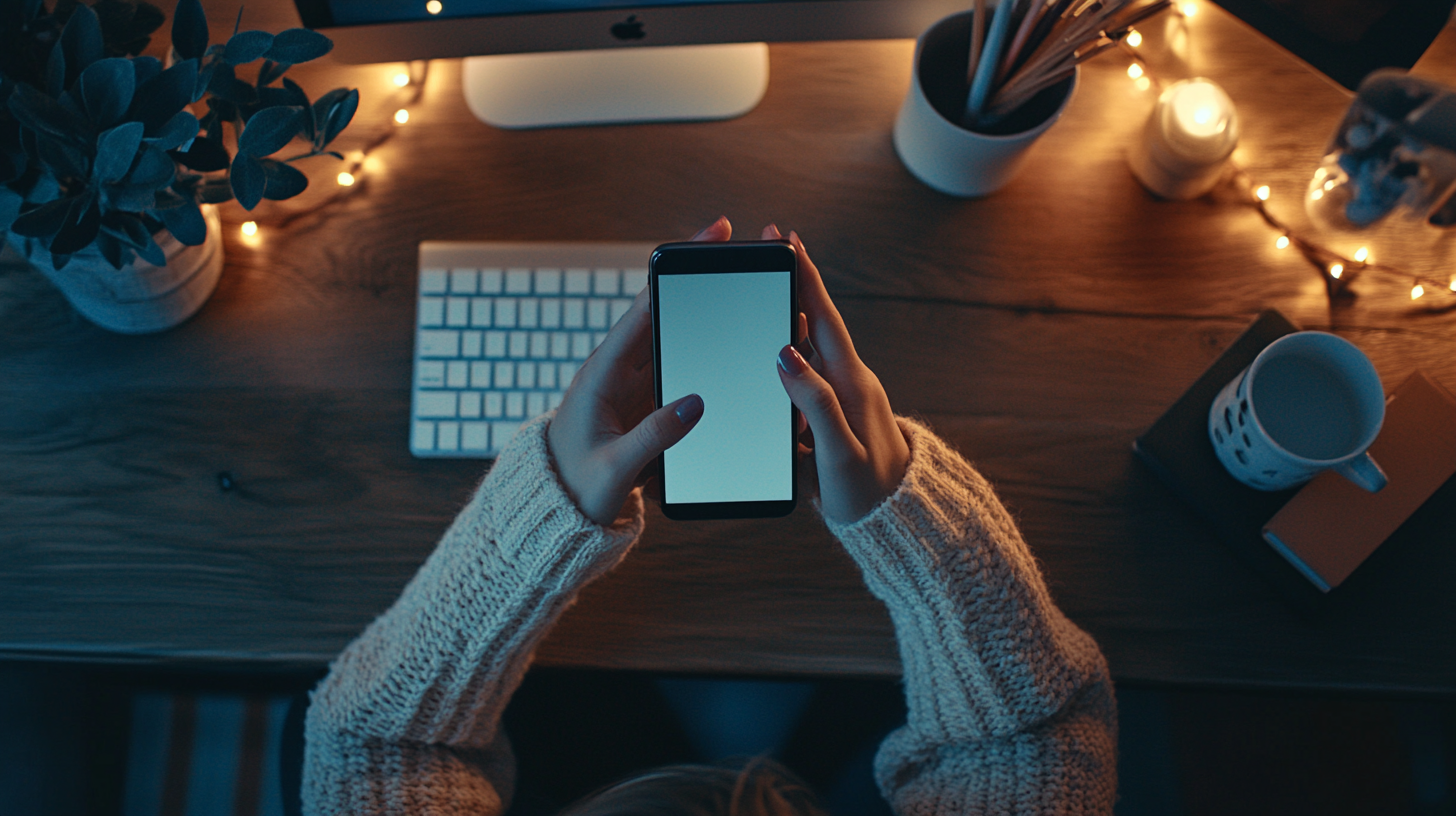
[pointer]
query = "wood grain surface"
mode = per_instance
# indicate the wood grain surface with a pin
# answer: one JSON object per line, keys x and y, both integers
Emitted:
{"x": 1039, "y": 330}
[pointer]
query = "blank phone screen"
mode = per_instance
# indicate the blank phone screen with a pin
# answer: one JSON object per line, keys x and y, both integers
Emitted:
{"x": 720, "y": 335}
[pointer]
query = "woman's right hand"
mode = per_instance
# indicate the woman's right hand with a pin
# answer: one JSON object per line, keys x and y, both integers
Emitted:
{"x": 859, "y": 453}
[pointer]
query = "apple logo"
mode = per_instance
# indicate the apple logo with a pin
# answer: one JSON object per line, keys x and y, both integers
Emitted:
{"x": 629, "y": 29}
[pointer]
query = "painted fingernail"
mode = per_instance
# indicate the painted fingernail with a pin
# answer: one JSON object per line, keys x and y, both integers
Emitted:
{"x": 774, "y": 230}
{"x": 705, "y": 230}
{"x": 689, "y": 409}
{"x": 796, "y": 240}
{"x": 791, "y": 362}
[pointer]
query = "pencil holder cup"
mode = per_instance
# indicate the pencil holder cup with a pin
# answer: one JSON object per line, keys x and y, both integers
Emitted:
{"x": 929, "y": 135}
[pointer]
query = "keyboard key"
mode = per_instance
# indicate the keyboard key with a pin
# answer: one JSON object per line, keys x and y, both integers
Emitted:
{"x": 519, "y": 342}
{"x": 528, "y": 312}
{"x": 470, "y": 344}
{"x": 432, "y": 311}
{"x": 607, "y": 282}
{"x": 474, "y": 436}
{"x": 501, "y": 433}
{"x": 633, "y": 281}
{"x": 551, "y": 313}
{"x": 495, "y": 344}
{"x": 580, "y": 345}
{"x": 434, "y": 404}
{"x": 494, "y": 405}
{"x": 422, "y": 436}
{"x": 490, "y": 281}
{"x": 554, "y": 401}
{"x": 578, "y": 281}
{"x": 619, "y": 308}
{"x": 535, "y": 403}
{"x": 548, "y": 281}
{"x": 573, "y": 314}
{"x": 505, "y": 375}
{"x": 470, "y": 405}
{"x": 439, "y": 343}
{"x": 464, "y": 281}
{"x": 480, "y": 375}
{"x": 447, "y": 436}
{"x": 540, "y": 344}
{"x": 560, "y": 345}
{"x": 526, "y": 376}
{"x": 430, "y": 374}
{"x": 546, "y": 375}
{"x": 515, "y": 405}
{"x": 596, "y": 313}
{"x": 518, "y": 281}
{"x": 505, "y": 313}
{"x": 433, "y": 282}
{"x": 457, "y": 373}
{"x": 480, "y": 311}
{"x": 457, "y": 312}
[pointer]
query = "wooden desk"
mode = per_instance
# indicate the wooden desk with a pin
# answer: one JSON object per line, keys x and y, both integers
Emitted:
{"x": 1039, "y": 330}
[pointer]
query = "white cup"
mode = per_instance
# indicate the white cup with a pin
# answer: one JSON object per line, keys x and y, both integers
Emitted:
{"x": 1309, "y": 402}
{"x": 937, "y": 149}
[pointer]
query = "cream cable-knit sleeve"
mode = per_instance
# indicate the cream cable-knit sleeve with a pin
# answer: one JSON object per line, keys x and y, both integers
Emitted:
{"x": 406, "y": 721}
{"x": 1011, "y": 707}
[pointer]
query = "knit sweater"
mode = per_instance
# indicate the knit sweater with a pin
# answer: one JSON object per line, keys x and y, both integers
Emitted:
{"x": 1010, "y": 705}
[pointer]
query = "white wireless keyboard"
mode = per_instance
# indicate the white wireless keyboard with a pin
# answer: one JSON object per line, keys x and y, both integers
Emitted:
{"x": 502, "y": 328}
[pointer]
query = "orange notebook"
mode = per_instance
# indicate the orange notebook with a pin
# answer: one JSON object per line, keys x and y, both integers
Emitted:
{"x": 1331, "y": 526}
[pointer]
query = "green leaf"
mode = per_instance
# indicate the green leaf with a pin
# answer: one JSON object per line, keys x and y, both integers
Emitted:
{"x": 132, "y": 198}
{"x": 107, "y": 87}
{"x": 64, "y": 159}
{"x": 215, "y": 191}
{"x": 153, "y": 168}
{"x": 299, "y": 45}
{"x": 339, "y": 118}
{"x": 247, "y": 46}
{"x": 322, "y": 107}
{"x": 81, "y": 40}
{"x": 248, "y": 180}
{"x": 146, "y": 68}
{"x": 55, "y": 75}
{"x": 115, "y": 150}
{"x": 43, "y": 221}
{"x": 159, "y": 98}
{"x": 268, "y": 131}
{"x": 127, "y": 228}
{"x": 111, "y": 249}
{"x": 179, "y": 132}
{"x": 83, "y": 221}
{"x": 204, "y": 156}
{"x": 307, "y": 120}
{"x": 45, "y": 115}
{"x": 189, "y": 29}
{"x": 185, "y": 222}
{"x": 153, "y": 254}
{"x": 284, "y": 181}
{"x": 271, "y": 72}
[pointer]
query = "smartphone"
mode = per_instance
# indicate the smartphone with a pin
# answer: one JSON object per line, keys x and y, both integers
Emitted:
{"x": 720, "y": 314}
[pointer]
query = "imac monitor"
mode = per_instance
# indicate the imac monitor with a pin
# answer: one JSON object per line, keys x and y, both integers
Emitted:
{"x": 536, "y": 63}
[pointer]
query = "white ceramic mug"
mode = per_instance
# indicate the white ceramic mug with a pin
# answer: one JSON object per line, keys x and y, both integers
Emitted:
{"x": 1310, "y": 401}
{"x": 938, "y": 150}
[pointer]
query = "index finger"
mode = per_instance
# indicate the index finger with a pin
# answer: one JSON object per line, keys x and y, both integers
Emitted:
{"x": 826, "y": 327}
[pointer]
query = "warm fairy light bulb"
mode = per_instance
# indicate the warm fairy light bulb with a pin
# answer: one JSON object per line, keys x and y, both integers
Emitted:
{"x": 434, "y": 7}
{"x": 1134, "y": 70}
{"x": 1143, "y": 83}
{"x": 1329, "y": 185}
{"x": 1417, "y": 291}
{"x": 1362, "y": 253}
{"x": 1134, "y": 38}
{"x": 250, "y": 228}
{"x": 346, "y": 179}
{"x": 1282, "y": 242}
{"x": 401, "y": 80}
{"x": 1262, "y": 193}
{"x": 1336, "y": 270}
{"x": 1453, "y": 284}
{"x": 401, "y": 116}
{"x": 1317, "y": 194}
{"x": 1189, "y": 9}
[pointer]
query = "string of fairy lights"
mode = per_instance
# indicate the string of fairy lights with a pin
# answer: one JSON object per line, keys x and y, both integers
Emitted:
{"x": 1337, "y": 269}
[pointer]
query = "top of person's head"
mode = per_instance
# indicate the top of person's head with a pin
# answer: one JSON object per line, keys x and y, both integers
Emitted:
{"x": 757, "y": 787}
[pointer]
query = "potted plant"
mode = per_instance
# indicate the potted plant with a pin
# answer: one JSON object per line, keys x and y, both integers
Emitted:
{"x": 108, "y": 177}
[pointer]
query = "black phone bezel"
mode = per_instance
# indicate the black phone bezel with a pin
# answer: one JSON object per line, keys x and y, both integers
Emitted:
{"x": 700, "y": 258}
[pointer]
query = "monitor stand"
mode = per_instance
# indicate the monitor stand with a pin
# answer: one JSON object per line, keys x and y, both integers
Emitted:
{"x": 617, "y": 85}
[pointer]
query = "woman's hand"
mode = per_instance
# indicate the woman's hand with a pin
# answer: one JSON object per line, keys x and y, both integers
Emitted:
{"x": 859, "y": 453}
{"x": 605, "y": 432}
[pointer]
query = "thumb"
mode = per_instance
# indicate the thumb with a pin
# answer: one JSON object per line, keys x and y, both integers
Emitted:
{"x": 659, "y": 431}
{"x": 815, "y": 397}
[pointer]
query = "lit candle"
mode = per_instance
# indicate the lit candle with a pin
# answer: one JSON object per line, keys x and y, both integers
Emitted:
{"x": 1191, "y": 132}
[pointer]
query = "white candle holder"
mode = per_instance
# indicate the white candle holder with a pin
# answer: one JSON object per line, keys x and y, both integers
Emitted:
{"x": 1189, "y": 135}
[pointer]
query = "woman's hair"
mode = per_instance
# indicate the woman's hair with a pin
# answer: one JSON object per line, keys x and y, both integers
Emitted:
{"x": 754, "y": 787}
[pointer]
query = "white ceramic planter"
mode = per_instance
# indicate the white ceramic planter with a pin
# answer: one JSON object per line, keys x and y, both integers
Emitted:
{"x": 139, "y": 298}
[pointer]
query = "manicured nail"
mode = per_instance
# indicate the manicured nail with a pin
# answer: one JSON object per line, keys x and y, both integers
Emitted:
{"x": 704, "y": 230}
{"x": 774, "y": 228}
{"x": 797, "y": 241}
{"x": 689, "y": 409}
{"x": 791, "y": 362}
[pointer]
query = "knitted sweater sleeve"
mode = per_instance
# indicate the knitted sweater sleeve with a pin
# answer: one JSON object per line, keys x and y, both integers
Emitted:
{"x": 407, "y": 719}
{"x": 1011, "y": 707}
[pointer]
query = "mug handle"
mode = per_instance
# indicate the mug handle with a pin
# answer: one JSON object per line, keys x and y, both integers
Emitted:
{"x": 1364, "y": 472}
